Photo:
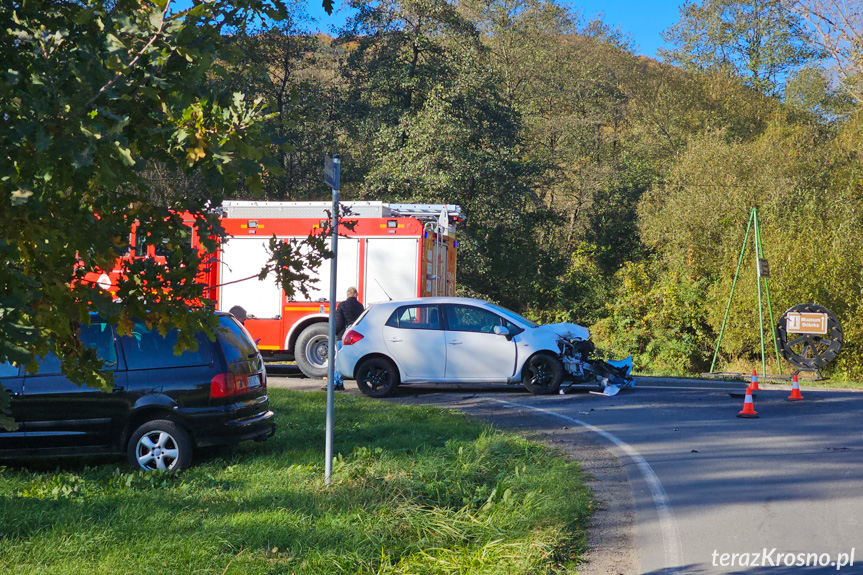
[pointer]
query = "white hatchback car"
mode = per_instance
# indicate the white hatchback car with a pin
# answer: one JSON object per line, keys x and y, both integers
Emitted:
{"x": 455, "y": 340}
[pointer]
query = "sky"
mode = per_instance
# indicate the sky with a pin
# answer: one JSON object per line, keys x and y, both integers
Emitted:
{"x": 643, "y": 20}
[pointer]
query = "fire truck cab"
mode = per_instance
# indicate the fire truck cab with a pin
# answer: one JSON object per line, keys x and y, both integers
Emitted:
{"x": 395, "y": 251}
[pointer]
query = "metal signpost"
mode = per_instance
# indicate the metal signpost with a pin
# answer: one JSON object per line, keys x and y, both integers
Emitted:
{"x": 332, "y": 168}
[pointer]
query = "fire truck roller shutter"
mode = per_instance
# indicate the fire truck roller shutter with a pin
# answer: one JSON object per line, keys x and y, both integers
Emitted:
{"x": 347, "y": 275}
{"x": 242, "y": 258}
{"x": 391, "y": 269}
{"x": 442, "y": 274}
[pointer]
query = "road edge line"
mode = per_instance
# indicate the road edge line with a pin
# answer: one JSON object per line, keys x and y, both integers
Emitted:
{"x": 667, "y": 523}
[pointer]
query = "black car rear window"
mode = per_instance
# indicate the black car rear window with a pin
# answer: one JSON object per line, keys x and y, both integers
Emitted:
{"x": 234, "y": 341}
{"x": 8, "y": 370}
{"x": 47, "y": 365}
{"x": 100, "y": 335}
{"x": 147, "y": 349}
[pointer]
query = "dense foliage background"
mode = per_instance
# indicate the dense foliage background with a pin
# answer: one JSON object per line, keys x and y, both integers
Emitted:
{"x": 600, "y": 187}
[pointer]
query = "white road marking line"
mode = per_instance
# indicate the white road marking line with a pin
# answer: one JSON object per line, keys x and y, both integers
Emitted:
{"x": 667, "y": 524}
{"x": 647, "y": 387}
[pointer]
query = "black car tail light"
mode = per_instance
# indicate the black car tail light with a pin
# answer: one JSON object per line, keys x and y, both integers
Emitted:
{"x": 223, "y": 385}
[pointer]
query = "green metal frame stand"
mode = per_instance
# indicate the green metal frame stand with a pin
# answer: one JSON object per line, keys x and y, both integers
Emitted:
{"x": 759, "y": 255}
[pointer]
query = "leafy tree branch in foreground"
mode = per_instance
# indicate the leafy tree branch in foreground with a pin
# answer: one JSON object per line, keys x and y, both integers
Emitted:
{"x": 96, "y": 97}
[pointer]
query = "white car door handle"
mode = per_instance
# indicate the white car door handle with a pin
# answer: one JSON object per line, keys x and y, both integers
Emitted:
{"x": 396, "y": 339}
{"x": 455, "y": 342}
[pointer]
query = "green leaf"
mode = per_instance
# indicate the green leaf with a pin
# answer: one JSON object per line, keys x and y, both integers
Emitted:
{"x": 156, "y": 19}
{"x": 21, "y": 197}
{"x": 6, "y": 421}
{"x": 125, "y": 154}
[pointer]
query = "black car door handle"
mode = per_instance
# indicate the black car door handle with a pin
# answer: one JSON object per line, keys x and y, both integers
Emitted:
{"x": 13, "y": 393}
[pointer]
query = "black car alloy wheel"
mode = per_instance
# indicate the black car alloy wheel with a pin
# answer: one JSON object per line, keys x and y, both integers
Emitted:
{"x": 160, "y": 445}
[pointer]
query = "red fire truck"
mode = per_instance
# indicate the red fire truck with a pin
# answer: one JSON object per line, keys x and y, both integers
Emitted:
{"x": 395, "y": 251}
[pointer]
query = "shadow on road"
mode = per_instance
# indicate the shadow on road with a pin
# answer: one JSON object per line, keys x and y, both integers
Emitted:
{"x": 284, "y": 370}
{"x": 423, "y": 389}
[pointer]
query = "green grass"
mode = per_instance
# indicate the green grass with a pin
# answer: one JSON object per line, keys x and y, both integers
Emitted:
{"x": 415, "y": 491}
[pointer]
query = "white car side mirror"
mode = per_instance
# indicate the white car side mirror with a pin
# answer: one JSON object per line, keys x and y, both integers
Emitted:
{"x": 501, "y": 330}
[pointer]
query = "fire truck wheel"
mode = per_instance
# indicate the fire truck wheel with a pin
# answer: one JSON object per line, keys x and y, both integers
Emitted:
{"x": 542, "y": 374}
{"x": 377, "y": 377}
{"x": 312, "y": 349}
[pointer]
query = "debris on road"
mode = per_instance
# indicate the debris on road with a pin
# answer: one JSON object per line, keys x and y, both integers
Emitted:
{"x": 609, "y": 391}
{"x": 577, "y": 354}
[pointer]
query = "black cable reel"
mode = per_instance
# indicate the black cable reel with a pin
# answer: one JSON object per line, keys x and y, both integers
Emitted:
{"x": 809, "y": 336}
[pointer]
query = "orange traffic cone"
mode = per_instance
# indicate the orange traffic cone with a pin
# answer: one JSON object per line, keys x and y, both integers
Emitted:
{"x": 795, "y": 390}
{"x": 754, "y": 384}
{"x": 748, "y": 407}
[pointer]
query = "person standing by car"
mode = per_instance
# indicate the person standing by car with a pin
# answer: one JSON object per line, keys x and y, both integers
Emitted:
{"x": 347, "y": 313}
{"x": 239, "y": 313}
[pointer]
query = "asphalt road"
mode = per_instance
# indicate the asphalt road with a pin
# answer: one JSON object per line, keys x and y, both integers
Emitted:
{"x": 704, "y": 482}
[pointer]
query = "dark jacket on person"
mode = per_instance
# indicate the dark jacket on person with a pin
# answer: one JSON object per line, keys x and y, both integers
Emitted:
{"x": 347, "y": 312}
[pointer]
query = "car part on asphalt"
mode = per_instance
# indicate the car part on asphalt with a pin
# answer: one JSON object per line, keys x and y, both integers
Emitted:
{"x": 809, "y": 351}
{"x": 578, "y": 360}
{"x": 609, "y": 391}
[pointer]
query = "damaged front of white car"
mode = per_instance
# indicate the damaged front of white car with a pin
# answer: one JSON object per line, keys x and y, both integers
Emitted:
{"x": 577, "y": 354}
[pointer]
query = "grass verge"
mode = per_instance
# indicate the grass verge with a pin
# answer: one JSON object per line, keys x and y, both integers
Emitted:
{"x": 415, "y": 490}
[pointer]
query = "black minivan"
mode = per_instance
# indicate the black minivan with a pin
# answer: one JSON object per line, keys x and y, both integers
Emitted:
{"x": 162, "y": 405}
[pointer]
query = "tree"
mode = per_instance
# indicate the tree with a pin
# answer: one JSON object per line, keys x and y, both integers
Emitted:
{"x": 299, "y": 73}
{"x": 760, "y": 40}
{"x": 429, "y": 123}
{"x": 805, "y": 181}
{"x": 836, "y": 27}
{"x": 555, "y": 76}
{"x": 97, "y": 98}
{"x": 810, "y": 89}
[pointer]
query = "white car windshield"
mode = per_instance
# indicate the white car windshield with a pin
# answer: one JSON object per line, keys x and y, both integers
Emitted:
{"x": 512, "y": 315}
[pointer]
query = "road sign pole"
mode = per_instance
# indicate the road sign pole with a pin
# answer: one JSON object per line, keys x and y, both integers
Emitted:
{"x": 332, "y": 169}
